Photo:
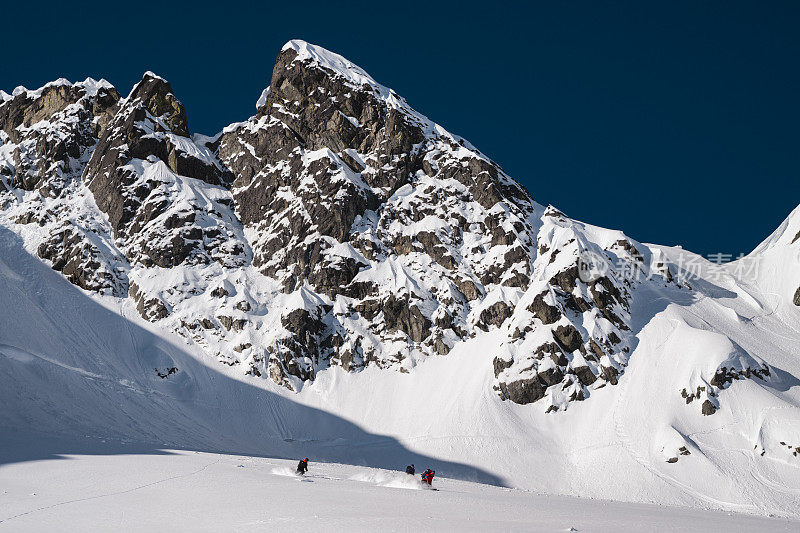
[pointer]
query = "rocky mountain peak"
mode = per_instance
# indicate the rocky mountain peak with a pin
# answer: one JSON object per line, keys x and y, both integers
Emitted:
{"x": 336, "y": 227}
{"x": 27, "y": 107}
{"x": 48, "y": 137}
{"x": 413, "y": 238}
{"x": 156, "y": 96}
{"x": 135, "y": 175}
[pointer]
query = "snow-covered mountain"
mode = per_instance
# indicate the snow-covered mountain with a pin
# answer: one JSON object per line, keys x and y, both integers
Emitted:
{"x": 352, "y": 258}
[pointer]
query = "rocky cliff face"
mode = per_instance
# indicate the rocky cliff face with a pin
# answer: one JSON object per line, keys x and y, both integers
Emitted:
{"x": 337, "y": 226}
{"x": 47, "y": 138}
{"x": 414, "y": 240}
{"x": 138, "y": 175}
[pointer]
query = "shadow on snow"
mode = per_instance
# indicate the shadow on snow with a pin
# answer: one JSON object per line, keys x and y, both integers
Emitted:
{"x": 78, "y": 378}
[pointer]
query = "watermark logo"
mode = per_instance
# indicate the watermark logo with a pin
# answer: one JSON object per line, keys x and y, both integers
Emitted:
{"x": 591, "y": 266}
{"x": 714, "y": 267}
{"x": 717, "y": 266}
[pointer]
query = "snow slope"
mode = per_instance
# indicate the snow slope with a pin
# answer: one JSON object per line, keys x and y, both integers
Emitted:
{"x": 181, "y": 490}
{"x": 92, "y": 375}
{"x": 89, "y": 376}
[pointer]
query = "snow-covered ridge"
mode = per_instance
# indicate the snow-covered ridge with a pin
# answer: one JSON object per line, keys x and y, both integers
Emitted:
{"x": 335, "y": 62}
{"x": 788, "y": 233}
{"x": 262, "y": 99}
{"x": 89, "y": 85}
{"x": 356, "y": 77}
{"x": 151, "y": 74}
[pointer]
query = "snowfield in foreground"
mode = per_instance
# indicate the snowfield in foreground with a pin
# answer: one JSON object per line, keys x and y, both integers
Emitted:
{"x": 210, "y": 492}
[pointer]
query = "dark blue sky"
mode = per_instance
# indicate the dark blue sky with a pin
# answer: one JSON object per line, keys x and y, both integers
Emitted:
{"x": 676, "y": 122}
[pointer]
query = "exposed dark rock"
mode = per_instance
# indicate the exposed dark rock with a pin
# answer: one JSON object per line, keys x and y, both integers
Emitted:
{"x": 360, "y": 290}
{"x": 81, "y": 261}
{"x": 566, "y": 279}
{"x": 517, "y": 279}
{"x": 585, "y": 375}
{"x": 551, "y": 376}
{"x": 369, "y": 309}
{"x": 568, "y": 337}
{"x": 331, "y": 278}
{"x": 495, "y": 315}
{"x": 340, "y": 186}
{"x": 148, "y": 126}
{"x": 348, "y": 360}
{"x": 403, "y": 244}
{"x": 609, "y": 374}
{"x": 524, "y": 391}
{"x": 400, "y": 315}
{"x": 708, "y": 408}
{"x": 51, "y": 131}
{"x": 797, "y": 297}
{"x": 440, "y": 347}
{"x": 500, "y": 365}
{"x": 433, "y": 247}
{"x": 596, "y": 349}
{"x": 302, "y": 323}
{"x": 149, "y": 308}
{"x": 468, "y": 288}
{"x": 24, "y": 111}
{"x": 554, "y": 351}
{"x": 283, "y": 363}
{"x": 605, "y": 295}
{"x": 219, "y": 292}
{"x": 725, "y": 375}
{"x": 444, "y": 321}
{"x": 230, "y": 323}
{"x": 631, "y": 249}
{"x": 543, "y": 311}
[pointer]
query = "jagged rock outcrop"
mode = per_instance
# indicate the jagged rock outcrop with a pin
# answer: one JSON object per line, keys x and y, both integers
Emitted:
{"x": 47, "y": 138}
{"x": 150, "y": 179}
{"x": 738, "y": 365}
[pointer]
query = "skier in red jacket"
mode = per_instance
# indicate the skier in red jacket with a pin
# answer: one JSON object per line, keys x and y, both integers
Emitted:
{"x": 427, "y": 476}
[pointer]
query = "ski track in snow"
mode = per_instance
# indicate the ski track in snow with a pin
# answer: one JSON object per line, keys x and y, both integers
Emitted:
{"x": 627, "y": 443}
{"x": 106, "y": 495}
{"x": 267, "y": 498}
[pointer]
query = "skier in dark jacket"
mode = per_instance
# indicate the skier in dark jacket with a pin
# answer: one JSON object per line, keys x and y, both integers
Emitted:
{"x": 410, "y": 469}
{"x": 427, "y": 476}
{"x": 302, "y": 466}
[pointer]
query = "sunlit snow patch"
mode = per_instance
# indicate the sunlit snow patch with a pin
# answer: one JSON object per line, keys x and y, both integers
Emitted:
{"x": 397, "y": 480}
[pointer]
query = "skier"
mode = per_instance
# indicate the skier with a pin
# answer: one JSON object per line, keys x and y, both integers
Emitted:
{"x": 302, "y": 466}
{"x": 410, "y": 469}
{"x": 427, "y": 476}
